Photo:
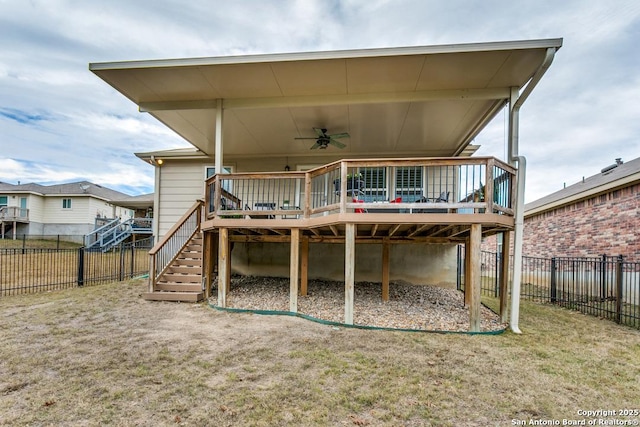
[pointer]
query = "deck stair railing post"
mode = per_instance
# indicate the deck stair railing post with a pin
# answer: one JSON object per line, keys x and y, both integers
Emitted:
{"x": 173, "y": 242}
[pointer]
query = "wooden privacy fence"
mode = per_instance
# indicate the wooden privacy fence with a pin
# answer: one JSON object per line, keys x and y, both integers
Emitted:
{"x": 29, "y": 270}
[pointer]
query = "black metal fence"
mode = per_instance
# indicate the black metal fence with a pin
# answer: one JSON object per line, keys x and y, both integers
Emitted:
{"x": 606, "y": 286}
{"x": 27, "y": 270}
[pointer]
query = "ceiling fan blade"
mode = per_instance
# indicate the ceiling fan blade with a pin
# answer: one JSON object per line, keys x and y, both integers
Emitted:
{"x": 336, "y": 143}
{"x": 340, "y": 135}
{"x": 306, "y": 137}
{"x": 320, "y": 131}
{"x": 315, "y": 146}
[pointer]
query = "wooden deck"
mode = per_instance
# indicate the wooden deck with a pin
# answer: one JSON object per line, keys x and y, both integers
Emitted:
{"x": 350, "y": 202}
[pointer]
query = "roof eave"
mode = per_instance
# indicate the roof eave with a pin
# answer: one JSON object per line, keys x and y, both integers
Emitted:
{"x": 324, "y": 55}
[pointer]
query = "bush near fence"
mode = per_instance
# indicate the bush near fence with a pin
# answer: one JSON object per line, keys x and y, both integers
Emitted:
{"x": 606, "y": 286}
{"x": 27, "y": 269}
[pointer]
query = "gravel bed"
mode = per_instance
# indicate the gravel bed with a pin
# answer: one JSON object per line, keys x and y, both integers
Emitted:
{"x": 419, "y": 307}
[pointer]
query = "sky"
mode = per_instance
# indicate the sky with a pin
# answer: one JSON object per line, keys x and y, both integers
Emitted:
{"x": 61, "y": 123}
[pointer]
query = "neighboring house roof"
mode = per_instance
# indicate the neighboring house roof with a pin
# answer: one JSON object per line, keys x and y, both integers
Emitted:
{"x": 414, "y": 101}
{"x": 608, "y": 179}
{"x": 80, "y": 188}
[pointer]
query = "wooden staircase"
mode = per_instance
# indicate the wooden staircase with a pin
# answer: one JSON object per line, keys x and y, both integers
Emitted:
{"x": 182, "y": 280}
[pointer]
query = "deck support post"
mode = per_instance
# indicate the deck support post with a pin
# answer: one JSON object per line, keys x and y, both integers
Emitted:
{"x": 224, "y": 267}
{"x": 349, "y": 271}
{"x": 294, "y": 269}
{"x": 474, "y": 277}
{"x": 385, "y": 270}
{"x": 467, "y": 268}
{"x": 218, "y": 137}
{"x": 304, "y": 266}
{"x": 209, "y": 261}
{"x": 504, "y": 276}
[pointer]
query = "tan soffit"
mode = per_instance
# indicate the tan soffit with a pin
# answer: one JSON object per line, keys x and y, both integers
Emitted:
{"x": 426, "y": 100}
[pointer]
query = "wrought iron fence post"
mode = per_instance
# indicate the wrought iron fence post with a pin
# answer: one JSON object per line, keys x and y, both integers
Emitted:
{"x": 81, "y": 266}
{"x": 133, "y": 254}
{"x": 603, "y": 277}
{"x": 619, "y": 290}
{"x": 121, "y": 266}
{"x": 554, "y": 280}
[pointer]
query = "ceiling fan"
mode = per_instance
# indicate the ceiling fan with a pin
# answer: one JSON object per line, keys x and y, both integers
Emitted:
{"x": 323, "y": 139}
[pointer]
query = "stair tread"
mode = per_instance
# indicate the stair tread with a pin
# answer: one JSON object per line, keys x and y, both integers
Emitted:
{"x": 173, "y": 296}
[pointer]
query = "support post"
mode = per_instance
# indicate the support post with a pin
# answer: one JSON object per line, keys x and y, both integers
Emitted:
{"x": 467, "y": 268}
{"x": 385, "y": 270}
{"x": 504, "y": 276}
{"x": 294, "y": 269}
{"x": 474, "y": 277}
{"x": 304, "y": 266}
{"x": 209, "y": 261}
{"x": 218, "y": 137}
{"x": 224, "y": 273}
{"x": 349, "y": 271}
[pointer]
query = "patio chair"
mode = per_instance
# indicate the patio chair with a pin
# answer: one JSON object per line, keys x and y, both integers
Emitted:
{"x": 442, "y": 198}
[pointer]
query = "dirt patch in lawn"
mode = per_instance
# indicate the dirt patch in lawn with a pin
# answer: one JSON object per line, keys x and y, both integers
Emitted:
{"x": 103, "y": 356}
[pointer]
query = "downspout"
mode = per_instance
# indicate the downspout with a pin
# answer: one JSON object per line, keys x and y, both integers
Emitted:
{"x": 515, "y": 104}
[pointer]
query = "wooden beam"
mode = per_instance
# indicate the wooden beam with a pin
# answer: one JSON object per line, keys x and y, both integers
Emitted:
{"x": 224, "y": 273}
{"x": 209, "y": 262}
{"x": 374, "y": 229}
{"x": 349, "y": 271}
{"x": 475, "y": 272}
{"x": 397, "y": 240}
{"x": 394, "y": 229}
{"x": 504, "y": 276}
{"x": 304, "y": 266}
{"x": 294, "y": 270}
{"x": 334, "y": 230}
{"x": 419, "y": 229}
{"x": 385, "y": 271}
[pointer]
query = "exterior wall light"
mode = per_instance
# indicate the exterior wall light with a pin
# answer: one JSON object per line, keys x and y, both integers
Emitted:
{"x": 156, "y": 162}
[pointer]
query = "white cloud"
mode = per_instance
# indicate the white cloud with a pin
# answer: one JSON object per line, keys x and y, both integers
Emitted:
{"x": 582, "y": 115}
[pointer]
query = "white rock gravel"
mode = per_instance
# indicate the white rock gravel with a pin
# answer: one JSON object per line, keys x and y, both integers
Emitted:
{"x": 419, "y": 307}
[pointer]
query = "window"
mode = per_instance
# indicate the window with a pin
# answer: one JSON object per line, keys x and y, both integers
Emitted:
{"x": 409, "y": 183}
{"x": 66, "y": 203}
{"x": 211, "y": 170}
{"x": 227, "y": 185}
{"x": 3, "y": 201}
{"x": 375, "y": 183}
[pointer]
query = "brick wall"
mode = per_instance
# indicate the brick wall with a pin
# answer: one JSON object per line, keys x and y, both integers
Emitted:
{"x": 605, "y": 224}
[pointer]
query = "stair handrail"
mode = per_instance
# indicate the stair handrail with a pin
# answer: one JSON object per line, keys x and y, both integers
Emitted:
{"x": 99, "y": 232}
{"x": 173, "y": 242}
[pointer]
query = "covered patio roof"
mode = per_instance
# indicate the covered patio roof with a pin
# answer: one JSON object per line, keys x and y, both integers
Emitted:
{"x": 426, "y": 100}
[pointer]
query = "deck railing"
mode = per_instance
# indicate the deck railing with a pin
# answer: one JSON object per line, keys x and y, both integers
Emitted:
{"x": 417, "y": 185}
{"x": 14, "y": 213}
